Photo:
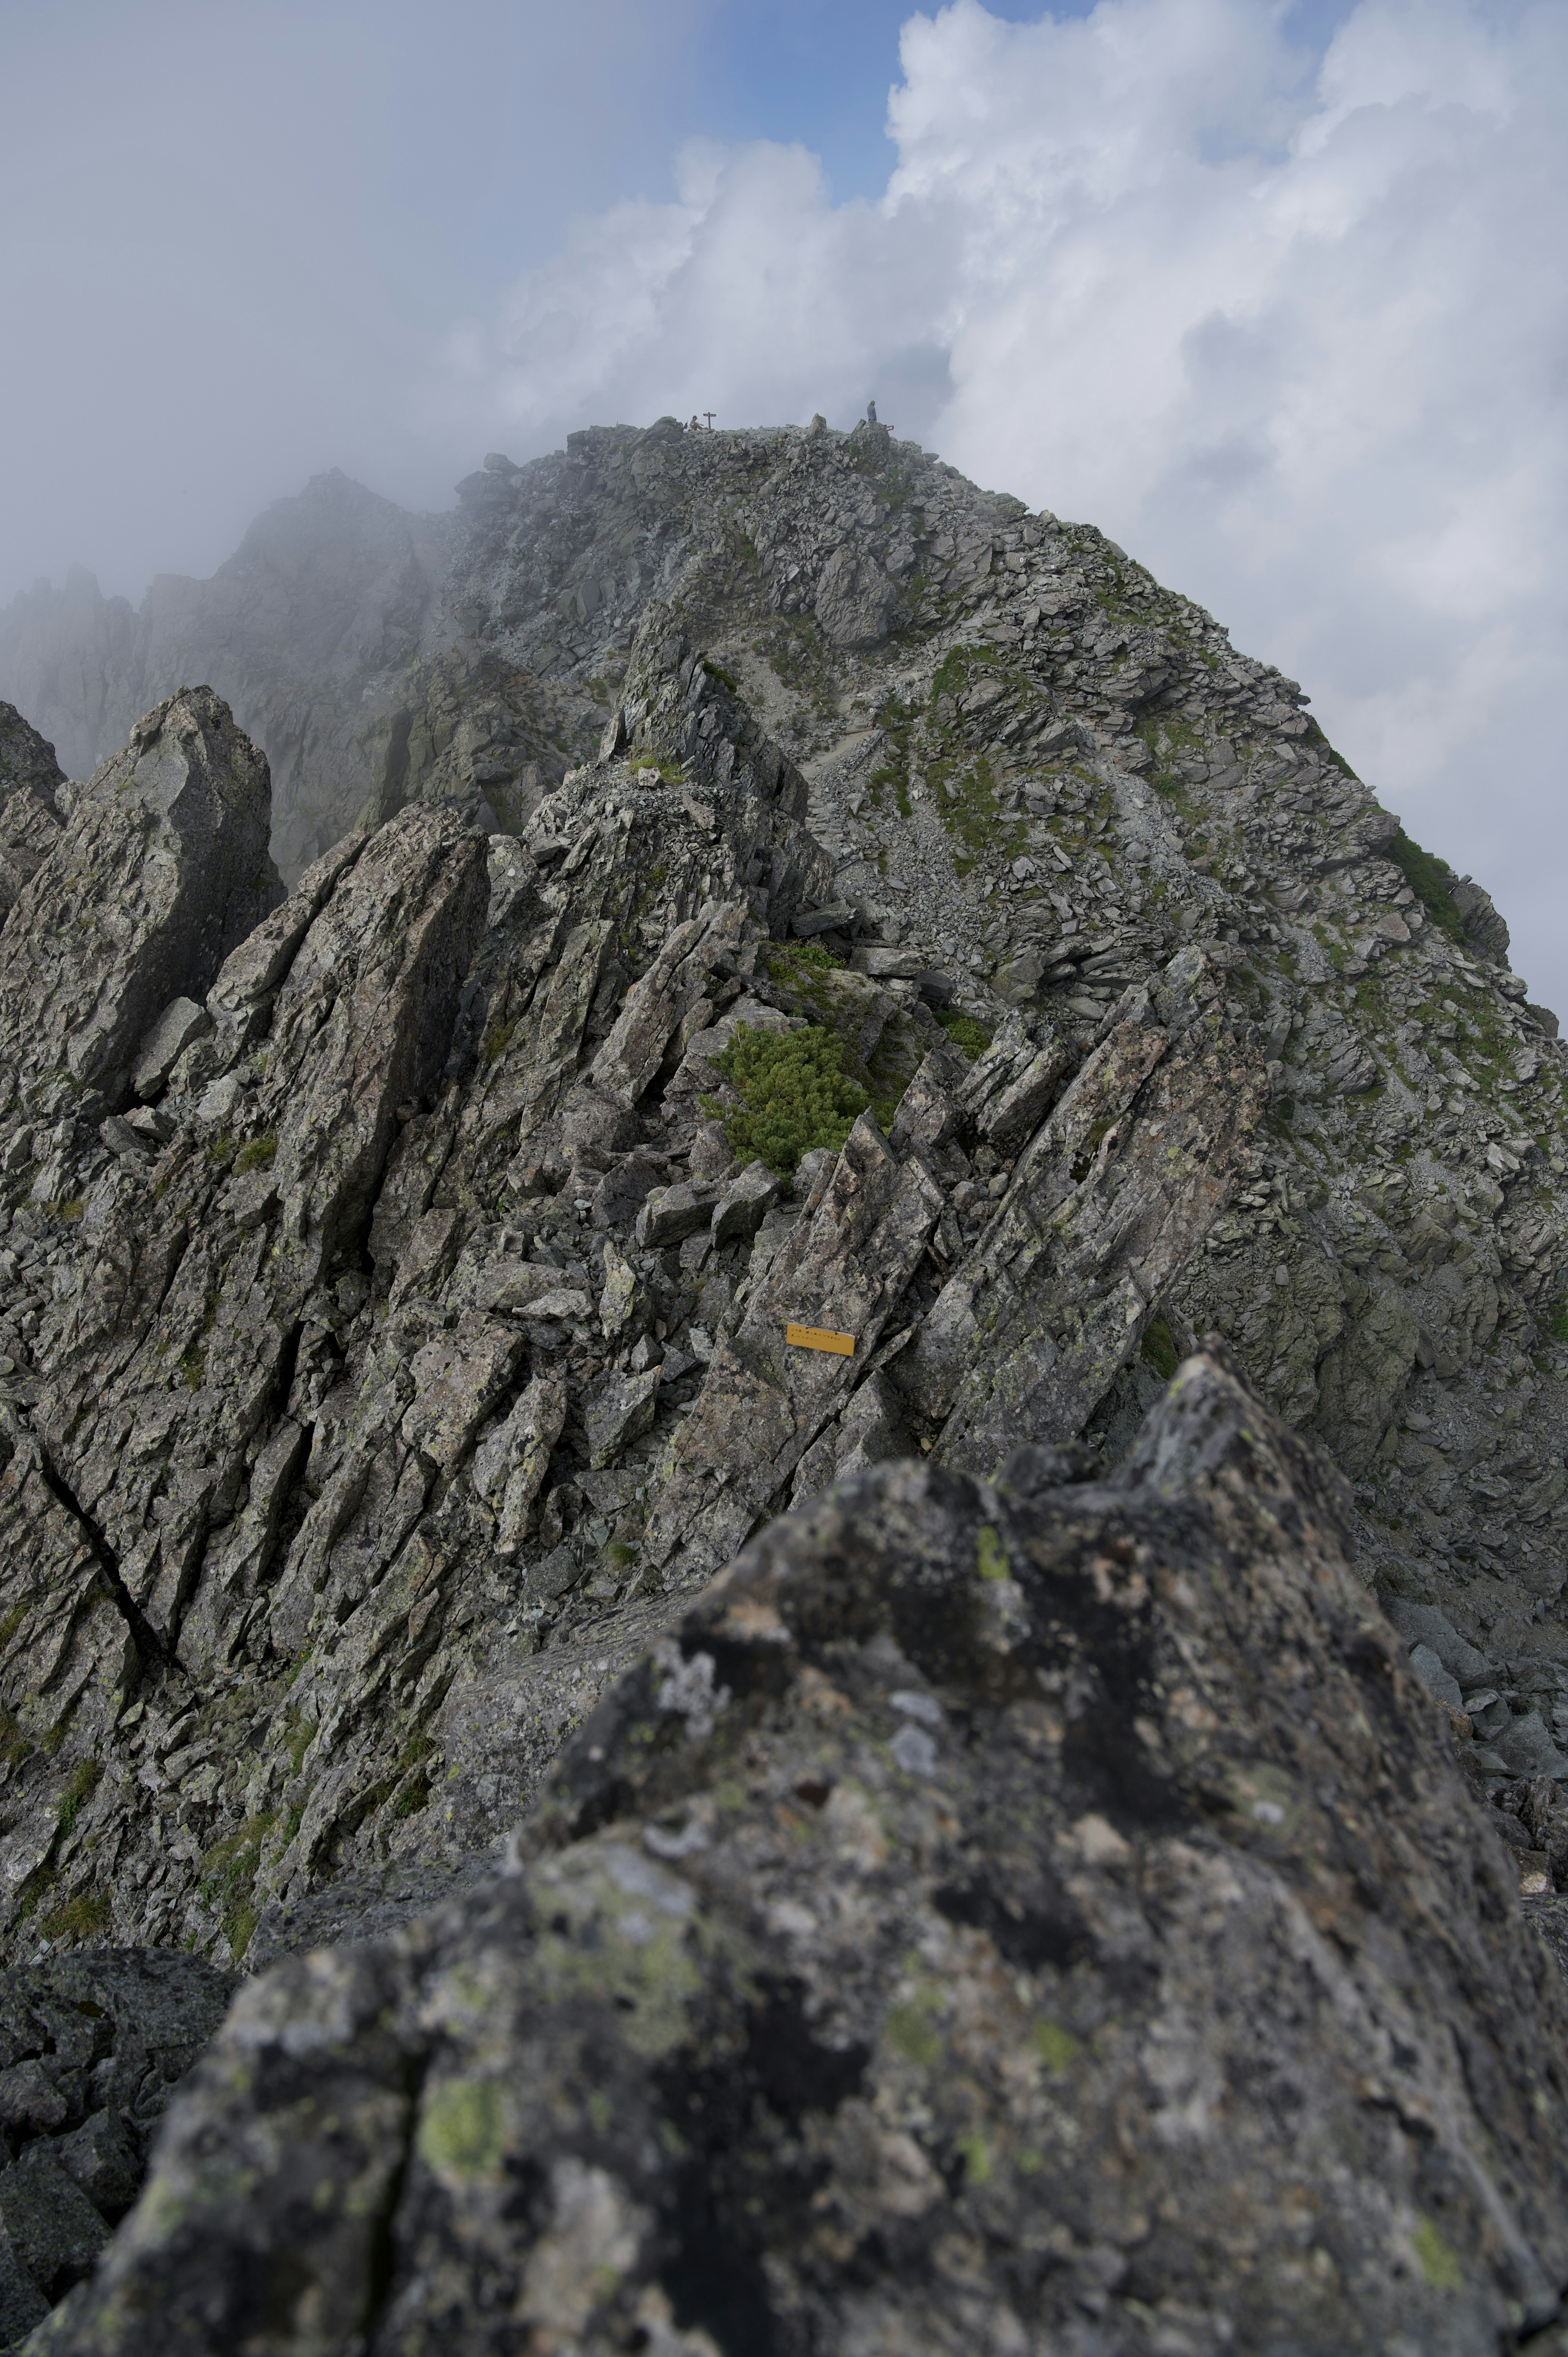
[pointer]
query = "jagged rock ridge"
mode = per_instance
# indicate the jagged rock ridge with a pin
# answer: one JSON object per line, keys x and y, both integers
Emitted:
{"x": 393, "y": 1338}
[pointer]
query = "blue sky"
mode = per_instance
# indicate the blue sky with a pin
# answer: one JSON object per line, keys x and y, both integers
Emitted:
{"x": 819, "y": 71}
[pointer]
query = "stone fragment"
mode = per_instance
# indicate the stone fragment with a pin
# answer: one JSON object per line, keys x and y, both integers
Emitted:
{"x": 740, "y": 1209}
{"x": 621, "y": 1192}
{"x": 510, "y": 1466}
{"x": 617, "y": 1409}
{"x": 1439, "y": 1683}
{"x": 1010, "y": 1089}
{"x": 104, "y": 2160}
{"x": 120, "y": 1138}
{"x": 1526, "y": 1748}
{"x": 50, "y": 2222}
{"x": 624, "y": 1301}
{"x": 457, "y": 1378}
{"x": 928, "y": 1110}
{"x": 888, "y": 965}
{"x": 181, "y": 1021}
{"x": 843, "y": 1267}
{"x": 558, "y": 1301}
{"x": 29, "y": 2097}
{"x": 30, "y": 778}
{"x": 1139, "y": 1156}
{"x": 671, "y": 1213}
{"x": 856, "y": 601}
{"x": 1424, "y": 1624}
{"x": 22, "y": 2304}
{"x": 838, "y": 916}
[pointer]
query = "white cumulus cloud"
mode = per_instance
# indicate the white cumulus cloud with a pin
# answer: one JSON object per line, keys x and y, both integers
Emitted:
{"x": 1291, "y": 329}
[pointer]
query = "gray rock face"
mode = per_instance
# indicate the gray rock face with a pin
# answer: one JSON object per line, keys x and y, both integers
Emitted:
{"x": 905, "y": 1875}
{"x": 30, "y": 813}
{"x": 395, "y": 1305}
{"x": 161, "y": 869}
{"x": 93, "y": 2045}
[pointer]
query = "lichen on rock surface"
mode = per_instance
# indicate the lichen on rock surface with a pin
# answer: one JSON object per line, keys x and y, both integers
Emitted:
{"x": 854, "y": 1983}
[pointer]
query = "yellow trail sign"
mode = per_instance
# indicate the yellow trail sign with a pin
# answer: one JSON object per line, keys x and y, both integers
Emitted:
{"x": 820, "y": 1338}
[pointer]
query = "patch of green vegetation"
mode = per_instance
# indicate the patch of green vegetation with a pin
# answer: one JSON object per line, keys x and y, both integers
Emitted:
{"x": 1315, "y": 737}
{"x": 716, "y": 670}
{"x": 966, "y": 1033}
{"x": 912, "y": 2033}
{"x": 259, "y": 1155}
{"x": 897, "y": 721}
{"x": 68, "y": 1208}
{"x": 670, "y": 773}
{"x": 795, "y": 1095}
{"x": 498, "y": 1039}
{"x": 13, "y": 1745}
{"x": 462, "y": 2130}
{"x": 1557, "y": 1324}
{"x": 299, "y": 1734}
{"x": 1057, "y": 2047}
{"x": 619, "y": 1556}
{"x": 1158, "y": 1350}
{"x": 1165, "y": 737}
{"x": 1431, "y": 880}
{"x": 80, "y": 1789}
{"x": 221, "y": 1150}
{"x": 971, "y": 811}
{"x": 415, "y": 1794}
{"x": 1435, "y": 2255}
{"x": 1334, "y": 950}
{"x": 78, "y": 1919}
{"x": 792, "y": 963}
{"x": 229, "y": 1877}
{"x": 12, "y": 1622}
{"x": 976, "y": 2156}
{"x": 990, "y": 1555}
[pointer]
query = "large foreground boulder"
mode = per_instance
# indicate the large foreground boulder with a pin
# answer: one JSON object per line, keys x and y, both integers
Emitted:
{"x": 1020, "y": 1919}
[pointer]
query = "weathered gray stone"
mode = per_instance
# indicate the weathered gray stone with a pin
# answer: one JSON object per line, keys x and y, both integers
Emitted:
{"x": 1439, "y": 1683}
{"x": 671, "y": 1213}
{"x": 181, "y": 1021}
{"x": 29, "y": 811}
{"x": 1527, "y": 1750}
{"x": 844, "y": 1268}
{"x": 160, "y": 871}
{"x": 892, "y": 1975}
{"x": 740, "y": 1209}
{"x": 304, "y": 1363}
{"x": 618, "y": 1409}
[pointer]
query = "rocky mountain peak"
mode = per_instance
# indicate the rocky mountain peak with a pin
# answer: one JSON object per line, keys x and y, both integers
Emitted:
{"x": 851, "y": 1326}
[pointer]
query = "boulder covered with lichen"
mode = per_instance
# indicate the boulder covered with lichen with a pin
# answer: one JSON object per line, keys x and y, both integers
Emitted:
{"x": 1010, "y": 1916}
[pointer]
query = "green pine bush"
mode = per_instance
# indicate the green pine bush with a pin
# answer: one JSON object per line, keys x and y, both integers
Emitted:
{"x": 794, "y": 1091}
